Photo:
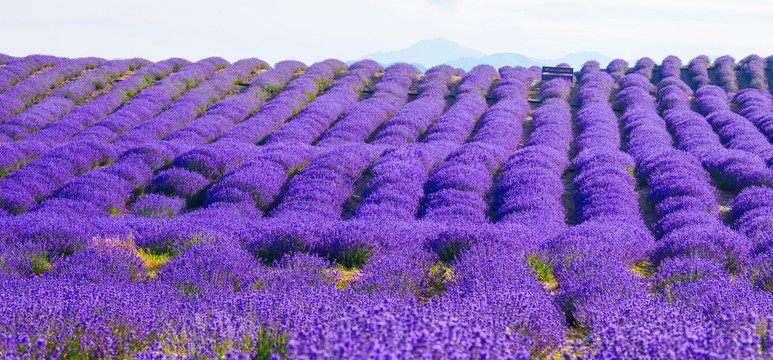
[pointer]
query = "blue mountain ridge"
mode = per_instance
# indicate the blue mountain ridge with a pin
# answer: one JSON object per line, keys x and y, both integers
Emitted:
{"x": 427, "y": 53}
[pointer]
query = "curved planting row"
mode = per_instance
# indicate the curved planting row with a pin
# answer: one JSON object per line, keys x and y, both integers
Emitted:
{"x": 752, "y": 215}
{"x": 530, "y": 189}
{"x": 457, "y": 191}
{"x": 28, "y": 185}
{"x": 736, "y": 132}
{"x": 30, "y": 90}
{"x": 15, "y": 154}
{"x": 60, "y": 101}
{"x": 131, "y": 170}
{"x": 617, "y": 68}
{"x": 671, "y": 66}
{"x": 190, "y": 105}
{"x": 151, "y": 102}
{"x": 724, "y": 67}
{"x": 258, "y": 182}
{"x": 192, "y": 171}
{"x": 698, "y": 71}
{"x": 410, "y": 122}
{"x": 592, "y": 261}
{"x": 693, "y": 259}
{"x": 756, "y": 106}
{"x": 317, "y": 117}
{"x": 734, "y": 168}
{"x": 238, "y": 144}
{"x": 398, "y": 176}
{"x": 753, "y": 68}
{"x": 644, "y": 67}
{"x": 225, "y": 114}
{"x": 16, "y": 70}
{"x": 175, "y": 187}
{"x": 321, "y": 188}
{"x": 389, "y": 95}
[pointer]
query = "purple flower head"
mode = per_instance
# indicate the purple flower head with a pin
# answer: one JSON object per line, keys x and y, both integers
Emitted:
{"x": 210, "y": 265}
{"x": 178, "y": 182}
{"x": 103, "y": 260}
{"x": 155, "y": 205}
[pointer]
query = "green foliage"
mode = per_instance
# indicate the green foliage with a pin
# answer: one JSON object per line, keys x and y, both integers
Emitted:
{"x": 354, "y": 256}
{"x": 684, "y": 278}
{"x": 762, "y": 330}
{"x": 39, "y": 263}
{"x": 6, "y": 171}
{"x": 435, "y": 282}
{"x": 74, "y": 348}
{"x": 449, "y": 251}
{"x": 155, "y": 212}
{"x": 543, "y": 269}
{"x": 269, "y": 342}
{"x": 138, "y": 192}
{"x": 76, "y": 344}
{"x": 295, "y": 169}
{"x": 166, "y": 250}
{"x": 152, "y": 262}
{"x": 762, "y": 280}
{"x": 643, "y": 268}
{"x": 731, "y": 265}
{"x": 189, "y": 289}
{"x": 631, "y": 171}
{"x": 271, "y": 89}
{"x": 321, "y": 84}
{"x": 276, "y": 250}
{"x": 129, "y": 94}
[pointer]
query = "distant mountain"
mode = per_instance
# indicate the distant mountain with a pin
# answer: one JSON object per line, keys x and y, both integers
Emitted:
{"x": 495, "y": 60}
{"x": 418, "y": 66}
{"x": 576, "y": 60}
{"x": 428, "y": 53}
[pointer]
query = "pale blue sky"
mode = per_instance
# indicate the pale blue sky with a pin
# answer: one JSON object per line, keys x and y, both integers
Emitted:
{"x": 348, "y": 29}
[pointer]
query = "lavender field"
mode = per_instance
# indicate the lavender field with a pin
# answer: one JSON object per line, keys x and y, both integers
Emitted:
{"x": 177, "y": 209}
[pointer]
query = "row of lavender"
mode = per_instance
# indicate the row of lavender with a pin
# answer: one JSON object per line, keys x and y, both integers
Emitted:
{"x": 24, "y": 189}
{"x": 444, "y": 285}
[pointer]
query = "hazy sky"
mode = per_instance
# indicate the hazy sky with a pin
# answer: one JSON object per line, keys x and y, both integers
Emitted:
{"x": 348, "y": 29}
